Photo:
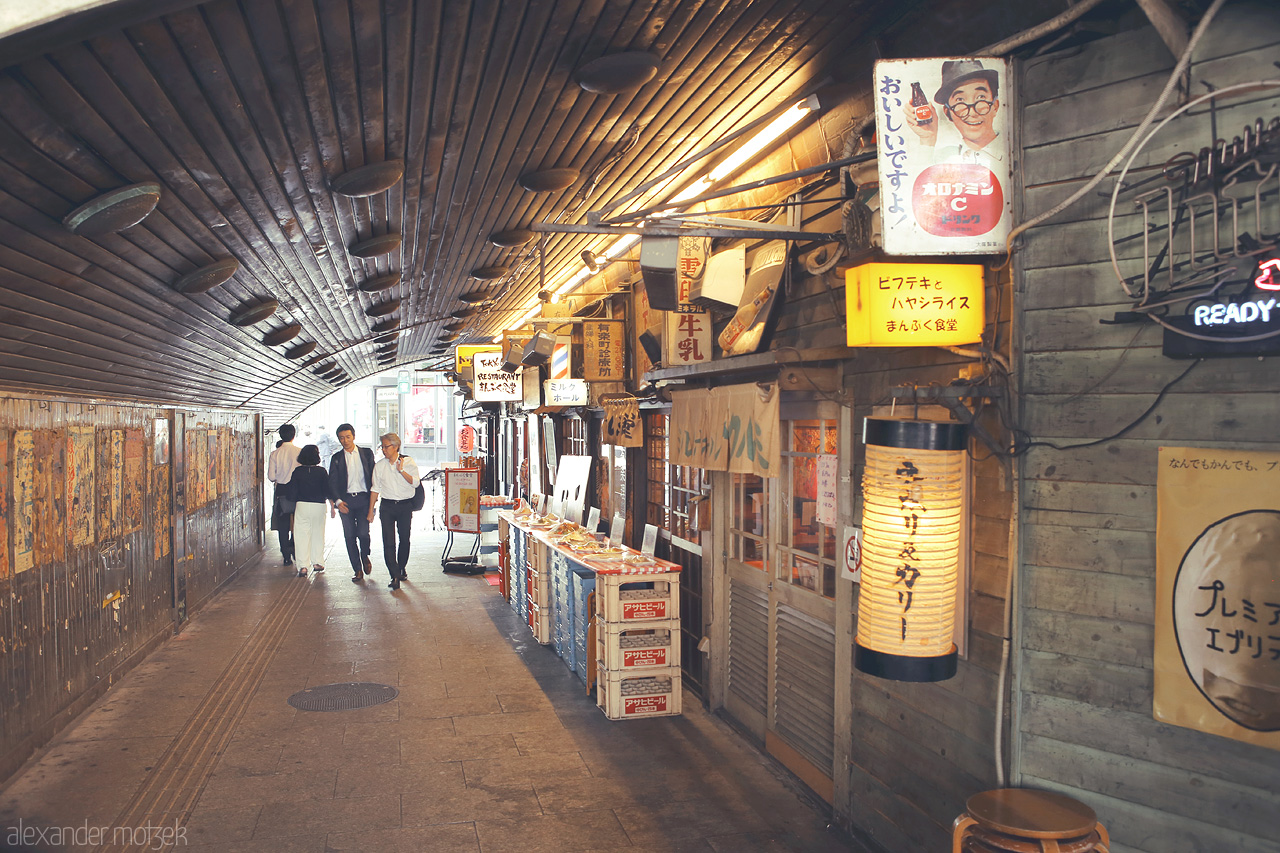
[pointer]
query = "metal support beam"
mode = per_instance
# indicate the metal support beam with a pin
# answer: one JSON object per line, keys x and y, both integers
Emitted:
{"x": 764, "y": 232}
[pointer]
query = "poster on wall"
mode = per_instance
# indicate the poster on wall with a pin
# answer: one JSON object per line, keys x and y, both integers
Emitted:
{"x": 943, "y": 155}
{"x": 604, "y": 349}
{"x": 4, "y": 504}
{"x": 50, "y": 496}
{"x": 1217, "y": 626}
{"x": 80, "y": 488}
{"x": 24, "y": 537}
{"x": 462, "y": 500}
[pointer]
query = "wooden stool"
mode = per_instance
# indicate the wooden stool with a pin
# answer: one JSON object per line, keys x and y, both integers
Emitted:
{"x": 1023, "y": 820}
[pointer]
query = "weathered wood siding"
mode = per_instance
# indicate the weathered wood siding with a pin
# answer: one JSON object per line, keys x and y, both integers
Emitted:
{"x": 1087, "y": 573}
{"x": 86, "y": 549}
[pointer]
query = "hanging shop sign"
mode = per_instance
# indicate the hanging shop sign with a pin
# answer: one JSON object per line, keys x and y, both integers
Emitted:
{"x": 733, "y": 428}
{"x": 943, "y": 155}
{"x": 463, "y": 355}
{"x": 621, "y": 422}
{"x": 687, "y": 331}
{"x": 492, "y": 383}
{"x": 466, "y": 439}
{"x": 1217, "y": 646}
{"x": 531, "y": 388}
{"x": 462, "y": 499}
{"x": 565, "y": 392}
{"x": 914, "y": 305}
{"x": 604, "y": 348}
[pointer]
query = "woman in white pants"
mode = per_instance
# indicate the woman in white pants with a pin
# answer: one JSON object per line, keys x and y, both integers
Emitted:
{"x": 309, "y": 489}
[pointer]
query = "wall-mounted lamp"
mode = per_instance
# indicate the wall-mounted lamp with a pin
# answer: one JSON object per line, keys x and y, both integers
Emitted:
{"x": 912, "y": 512}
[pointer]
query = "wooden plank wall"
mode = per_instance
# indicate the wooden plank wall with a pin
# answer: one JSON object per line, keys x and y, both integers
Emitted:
{"x": 918, "y": 750}
{"x": 85, "y": 512}
{"x": 1087, "y": 584}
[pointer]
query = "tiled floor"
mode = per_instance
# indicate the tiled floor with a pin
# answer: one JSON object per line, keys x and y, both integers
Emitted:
{"x": 492, "y": 744}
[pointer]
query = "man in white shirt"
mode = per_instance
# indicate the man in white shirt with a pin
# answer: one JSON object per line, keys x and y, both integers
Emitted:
{"x": 395, "y": 478}
{"x": 350, "y": 478}
{"x": 280, "y": 465}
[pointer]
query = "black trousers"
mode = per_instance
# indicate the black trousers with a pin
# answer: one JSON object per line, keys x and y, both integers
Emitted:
{"x": 355, "y": 529}
{"x": 283, "y": 524}
{"x": 397, "y": 519}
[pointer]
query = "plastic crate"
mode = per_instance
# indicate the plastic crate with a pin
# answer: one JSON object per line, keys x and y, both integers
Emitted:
{"x": 643, "y": 645}
{"x": 630, "y": 696}
{"x": 622, "y": 598}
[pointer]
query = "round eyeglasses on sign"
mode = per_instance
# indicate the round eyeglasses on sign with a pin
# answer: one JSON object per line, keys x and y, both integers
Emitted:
{"x": 961, "y": 109}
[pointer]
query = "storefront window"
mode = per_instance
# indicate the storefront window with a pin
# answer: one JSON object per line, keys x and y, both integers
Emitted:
{"x": 427, "y": 415}
{"x": 808, "y": 544}
{"x": 749, "y": 524}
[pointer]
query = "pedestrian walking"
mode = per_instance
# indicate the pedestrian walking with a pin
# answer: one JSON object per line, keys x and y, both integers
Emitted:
{"x": 309, "y": 489}
{"x": 395, "y": 478}
{"x": 280, "y": 465}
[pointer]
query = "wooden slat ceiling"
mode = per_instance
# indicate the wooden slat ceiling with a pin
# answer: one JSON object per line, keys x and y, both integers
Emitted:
{"x": 245, "y": 112}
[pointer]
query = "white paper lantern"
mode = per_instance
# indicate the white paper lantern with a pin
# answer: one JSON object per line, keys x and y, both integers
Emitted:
{"x": 912, "y": 512}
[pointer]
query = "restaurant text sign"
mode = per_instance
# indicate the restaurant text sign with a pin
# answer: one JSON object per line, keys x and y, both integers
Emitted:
{"x": 910, "y": 304}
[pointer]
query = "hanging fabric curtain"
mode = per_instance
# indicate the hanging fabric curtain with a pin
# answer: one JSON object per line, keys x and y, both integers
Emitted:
{"x": 734, "y": 428}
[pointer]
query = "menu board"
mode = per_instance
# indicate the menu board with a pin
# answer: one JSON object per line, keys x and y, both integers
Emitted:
{"x": 462, "y": 500}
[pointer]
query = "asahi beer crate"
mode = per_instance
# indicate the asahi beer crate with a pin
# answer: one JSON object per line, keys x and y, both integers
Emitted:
{"x": 622, "y": 598}
{"x": 642, "y": 645}
{"x": 629, "y": 696}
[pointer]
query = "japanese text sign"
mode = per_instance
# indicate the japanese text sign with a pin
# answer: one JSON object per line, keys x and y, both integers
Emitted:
{"x": 910, "y": 304}
{"x": 463, "y": 355}
{"x": 622, "y": 422}
{"x": 492, "y": 383}
{"x": 604, "y": 350}
{"x": 1217, "y": 624}
{"x": 943, "y": 155}
{"x": 733, "y": 428}
{"x": 462, "y": 499}
{"x": 565, "y": 392}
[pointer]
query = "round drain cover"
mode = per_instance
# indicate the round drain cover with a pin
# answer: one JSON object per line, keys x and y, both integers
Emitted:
{"x": 343, "y": 697}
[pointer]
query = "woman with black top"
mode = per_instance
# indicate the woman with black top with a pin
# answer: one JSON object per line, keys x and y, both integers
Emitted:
{"x": 309, "y": 489}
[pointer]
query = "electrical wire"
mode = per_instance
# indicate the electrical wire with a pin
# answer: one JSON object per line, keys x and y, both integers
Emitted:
{"x": 1169, "y": 87}
{"x": 1019, "y": 450}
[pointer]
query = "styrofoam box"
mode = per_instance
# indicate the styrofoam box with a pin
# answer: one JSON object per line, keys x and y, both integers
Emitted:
{"x": 615, "y": 602}
{"x": 641, "y": 645}
{"x": 540, "y": 624}
{"x": 628, "y": 696}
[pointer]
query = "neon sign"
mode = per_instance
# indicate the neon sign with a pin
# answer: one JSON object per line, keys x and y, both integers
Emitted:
{"x": 1267, "y": 280}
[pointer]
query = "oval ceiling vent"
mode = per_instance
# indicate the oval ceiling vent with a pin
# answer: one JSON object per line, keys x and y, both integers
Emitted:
{"x": 369, "y": 179}
{"x": 250, "y": 313}
{"x": 617, "y": 72}
{"x": 207, "y": 277}
{"x": 381, "y": 283}
{"x": 548, "y": 180}
{"x": 282, "y": 335}
{"x": 113, "y": 211}
{"x": 375, "y": 246}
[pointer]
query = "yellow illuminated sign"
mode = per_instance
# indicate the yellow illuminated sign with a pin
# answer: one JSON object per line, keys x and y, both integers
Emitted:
{"x": 914, "y": 305}
{"x": 464, "y": 352}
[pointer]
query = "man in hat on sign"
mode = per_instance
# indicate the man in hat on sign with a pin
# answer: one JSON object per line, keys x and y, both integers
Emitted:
{"x": 970, "y": 98}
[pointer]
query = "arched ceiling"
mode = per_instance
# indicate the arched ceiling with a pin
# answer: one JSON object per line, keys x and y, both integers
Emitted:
{"x": 245, "y": 113}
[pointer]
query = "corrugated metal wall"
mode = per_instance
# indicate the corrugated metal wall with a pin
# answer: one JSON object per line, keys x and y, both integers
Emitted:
{"x": 1088, "y": 574}
{"x": 86, "y": 547}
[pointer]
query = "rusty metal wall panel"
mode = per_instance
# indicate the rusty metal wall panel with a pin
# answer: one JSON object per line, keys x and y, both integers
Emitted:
{"x": 86, "y": 557}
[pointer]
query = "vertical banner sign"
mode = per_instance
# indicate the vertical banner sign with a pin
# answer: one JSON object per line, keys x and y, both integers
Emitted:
{"x": 828, "y": 477}
{"x": 80, "y": 490}
{"x": 24, "y": 537}
{"x": 135, "y": 484}
{"x": 622, "y": 422}
{"x": 604, "y": 350}
{"x": 732, "y": 428}
{"x": 1217, "y": 627}
{"x": 493, "y": 384}
{"x": 943, "y": 155}
{"x": 110, "y": 482}
{"x": 687, "y": 335}
{"x": 462, "y": 500}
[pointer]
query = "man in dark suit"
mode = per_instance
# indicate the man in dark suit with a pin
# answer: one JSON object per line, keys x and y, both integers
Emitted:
{"x": 349, "y": 485}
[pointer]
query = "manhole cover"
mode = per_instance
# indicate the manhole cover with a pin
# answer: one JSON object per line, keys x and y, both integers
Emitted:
{"x": 343, "y": 697}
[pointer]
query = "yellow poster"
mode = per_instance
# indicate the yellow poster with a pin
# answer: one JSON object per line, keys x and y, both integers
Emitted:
{"x": 1217, "y": 627}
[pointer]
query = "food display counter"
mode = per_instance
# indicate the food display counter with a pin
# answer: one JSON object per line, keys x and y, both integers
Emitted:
{"x": 611, "y": 613}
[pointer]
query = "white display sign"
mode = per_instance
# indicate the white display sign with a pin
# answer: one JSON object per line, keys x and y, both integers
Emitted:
{"x": 493, "y": 384}
{"x": 943, "y": 155}
{"x": 565, "y": 392}
{"x": 828, "y": 474}
{"x": 852, "y": 566}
